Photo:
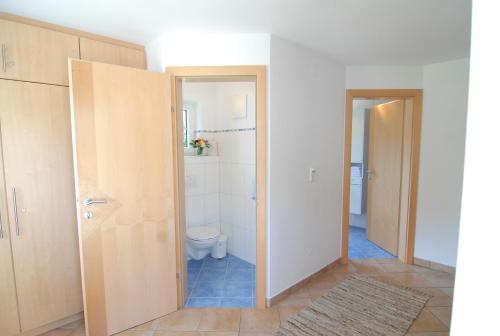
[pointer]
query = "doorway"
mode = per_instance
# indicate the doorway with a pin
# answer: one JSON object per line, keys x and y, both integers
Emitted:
{"x": 382, "y": 136}
{"x": 220, "y": 117}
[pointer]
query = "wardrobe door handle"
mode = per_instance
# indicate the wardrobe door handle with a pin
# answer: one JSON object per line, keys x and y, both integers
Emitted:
{"x": 1, "y": 227}
{"x": 4, "y": 61}
{"x": 16, "y": 217}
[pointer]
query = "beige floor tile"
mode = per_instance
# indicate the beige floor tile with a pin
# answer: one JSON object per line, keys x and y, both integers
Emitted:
{"x": 244, "y": 333}
{"x": 426, "y": 322}
{"x": 425, "y": 279}
{"x": 260, "y": 320}
{"x": 438, "y": 299}
{"x": 432, "y": 333}
{"x": 218, "y": 333}
{"x": 363, "y": 267}
{"x": 448, "y": 291}
{"x": 286, "y": 312}
{"x": 443, "y": 314}
{"x": 78, "y": 332}
{"x": 151, "y": 325}
{"x": 74, "y": 325}
{"x": 295, "y": 301}
{"x": 182, "y": 320}
{"x": 403, "y": 268}
{"x": 136, "y": 333}
{"x": 58, "y": 332}
{"x": 175, "y": 333}
{"x": 220, "y": 320}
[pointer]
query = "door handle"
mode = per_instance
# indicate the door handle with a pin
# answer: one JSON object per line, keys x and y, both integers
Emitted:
{"x": 90, "y": 201}
{"x": 4, "y": 61}
{"x": 16, "y": 216}
{"x": 369, "y": 174}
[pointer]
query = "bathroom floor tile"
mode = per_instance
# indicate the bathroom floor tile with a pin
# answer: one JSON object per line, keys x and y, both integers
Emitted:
{"x": 227, "y": 282}
{"x": 361, "y": 248}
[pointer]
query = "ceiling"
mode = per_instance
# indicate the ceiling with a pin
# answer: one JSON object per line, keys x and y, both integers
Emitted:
{"x": 351, "y": 31}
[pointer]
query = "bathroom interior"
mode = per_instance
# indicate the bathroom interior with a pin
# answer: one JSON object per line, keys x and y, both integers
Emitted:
{"x": 220, "y": 191}
{"x": 359, "y": 246}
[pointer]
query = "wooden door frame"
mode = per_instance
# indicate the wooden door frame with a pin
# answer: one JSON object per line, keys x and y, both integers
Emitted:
{"x": 416, "y": 95}
{"x": 215, "y": 73}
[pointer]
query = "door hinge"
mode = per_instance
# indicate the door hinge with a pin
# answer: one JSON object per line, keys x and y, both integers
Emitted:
{"x": 177, "y": 275}
{"x": 172, "y": 109}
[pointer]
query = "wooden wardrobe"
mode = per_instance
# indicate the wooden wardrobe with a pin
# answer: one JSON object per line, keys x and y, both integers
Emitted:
{"x": 40, "y": 283}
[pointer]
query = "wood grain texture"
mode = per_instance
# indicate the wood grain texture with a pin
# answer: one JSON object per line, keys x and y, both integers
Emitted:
{"x": 9, "y": 317}
{"x": 416, "y": 96}
{"x": 67, "y": 30}
{"x": 238, "y": 73}
{"x": 124, "y": 153}
{"x": 384, "y": 181}
{"x": 38, "y": 163}
{"x": 36, "y": 54}
{"x": 98, "y": 51}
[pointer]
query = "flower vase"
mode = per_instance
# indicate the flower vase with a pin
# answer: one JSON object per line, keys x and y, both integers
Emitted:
{"x": 199, "y": 151}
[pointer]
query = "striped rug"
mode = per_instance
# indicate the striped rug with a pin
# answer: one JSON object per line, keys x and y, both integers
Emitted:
{"x": 358, "y": 306}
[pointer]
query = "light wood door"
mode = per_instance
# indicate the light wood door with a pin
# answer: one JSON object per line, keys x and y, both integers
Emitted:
{"x": 123, "y": 133}
{"x": 9, "y": 318}
{"x": 35, "y": 54}
{"x": 97, "y": 51}
{"x": 36, "y": 139}
{"x": 384, "y": 176}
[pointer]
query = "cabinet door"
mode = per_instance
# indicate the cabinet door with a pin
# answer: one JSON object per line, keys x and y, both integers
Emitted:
{"x": 97, "y": 51}
{"x": 9, "y": 319}
{"x": 36, "y": 137}
{"x": 35, "y": 54}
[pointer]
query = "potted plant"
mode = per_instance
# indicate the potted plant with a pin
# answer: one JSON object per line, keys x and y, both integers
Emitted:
{"x": 199, "y": 145}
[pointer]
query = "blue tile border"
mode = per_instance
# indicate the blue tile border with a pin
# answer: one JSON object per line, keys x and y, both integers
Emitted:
{"x": 225, "y": 130}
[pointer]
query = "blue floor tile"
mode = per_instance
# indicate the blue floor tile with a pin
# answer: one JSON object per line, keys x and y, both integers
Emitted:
{"x": 203, "y": 302}
{"x": 362, "y": 248}
{"x": 238, "y": 289}
{"x": 227, "y": 282}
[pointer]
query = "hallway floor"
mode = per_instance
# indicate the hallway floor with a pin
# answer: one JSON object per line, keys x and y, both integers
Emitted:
{"x": 362, "y": 248}
{"x": 227, "y": 282}
{"x": 433, "y": 320}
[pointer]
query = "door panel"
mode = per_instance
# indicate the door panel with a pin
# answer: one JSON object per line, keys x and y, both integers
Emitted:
{"x": 123, "y": 135}
{"x": 97, "y": 51}
{"x": 9, "y": 318}
{"x": 384, "y": 181}
{"x": 36, "y": 139}
{"x": 35, "y": 54}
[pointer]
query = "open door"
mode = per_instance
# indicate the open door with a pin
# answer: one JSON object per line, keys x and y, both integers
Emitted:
{"x": 384, "y": 174}
{"x": 123, "y": 137}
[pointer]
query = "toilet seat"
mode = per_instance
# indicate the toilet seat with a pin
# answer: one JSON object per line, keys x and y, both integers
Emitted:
{"x": 202, "y": 233}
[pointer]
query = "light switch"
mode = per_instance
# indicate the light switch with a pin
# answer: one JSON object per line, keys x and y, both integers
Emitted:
{"x": 312, "y": 172}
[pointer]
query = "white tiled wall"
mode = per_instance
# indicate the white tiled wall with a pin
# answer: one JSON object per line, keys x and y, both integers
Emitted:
{"x": 202, "y": 190}
{"x": 236, "y": 152}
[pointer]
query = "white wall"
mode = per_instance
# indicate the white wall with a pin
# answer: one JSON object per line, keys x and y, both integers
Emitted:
{"x": 441, "y": 160}
{"x": 202, "y": 191}
{"x": 306, "y": 130}
{"x": 442, "y": 148}
{"x": 383, "y": 77}
{"x": 475, "y": 304}
{"x": 189, "y": 49}
{"x": 235, "y": 147}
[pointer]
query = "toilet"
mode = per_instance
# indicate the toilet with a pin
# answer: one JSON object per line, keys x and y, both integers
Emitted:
{"x": 200, "y": 240}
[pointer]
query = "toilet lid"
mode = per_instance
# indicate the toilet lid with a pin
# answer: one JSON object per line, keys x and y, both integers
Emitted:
{"x": 202, "y": 233}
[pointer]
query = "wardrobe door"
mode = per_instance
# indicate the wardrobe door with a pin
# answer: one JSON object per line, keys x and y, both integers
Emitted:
{"x": 36, "y": 136}
{"x": 35, "y": 54}
{"x": 97, "y": 51}
{"x": 9, "y": 319}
